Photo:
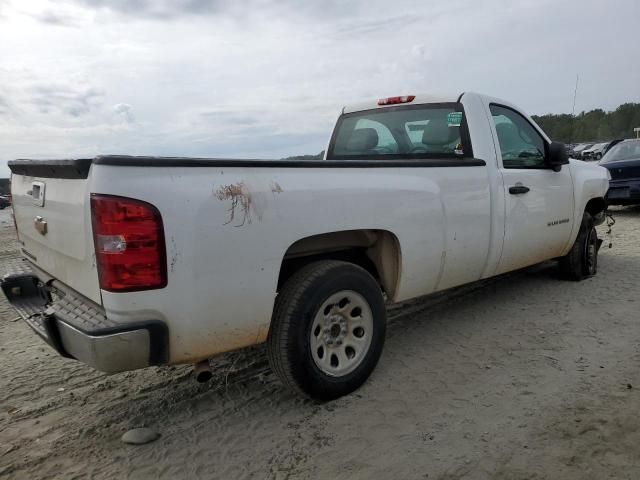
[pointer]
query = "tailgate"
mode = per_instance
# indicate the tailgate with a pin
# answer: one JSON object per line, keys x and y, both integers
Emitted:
{"x": 51, "y": 207}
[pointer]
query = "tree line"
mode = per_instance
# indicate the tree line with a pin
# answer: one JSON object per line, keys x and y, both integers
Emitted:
{"x": 592, "y": 126}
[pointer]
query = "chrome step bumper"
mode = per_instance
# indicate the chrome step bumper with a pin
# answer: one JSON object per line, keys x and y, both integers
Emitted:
{"x": 78, "y": 328}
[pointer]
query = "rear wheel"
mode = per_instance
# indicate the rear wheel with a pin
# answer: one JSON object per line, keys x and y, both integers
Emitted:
{"x": 582, "y": 260}
{"x": 327, "y": 330}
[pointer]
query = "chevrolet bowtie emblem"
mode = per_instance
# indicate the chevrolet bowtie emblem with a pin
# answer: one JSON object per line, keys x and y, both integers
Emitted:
{"x": 40, "y": 224}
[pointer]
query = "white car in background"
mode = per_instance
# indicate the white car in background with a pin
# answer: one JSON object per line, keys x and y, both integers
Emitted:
{"x": 596, "y": 152}
{"x": 579, "y": 149}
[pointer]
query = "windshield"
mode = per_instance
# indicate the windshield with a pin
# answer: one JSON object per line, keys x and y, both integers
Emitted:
{"x": 628, "y": 150}
{"x": 416, "y": 131}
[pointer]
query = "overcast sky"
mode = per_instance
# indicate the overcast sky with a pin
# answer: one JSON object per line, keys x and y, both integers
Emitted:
{"x": 267, "y": 78}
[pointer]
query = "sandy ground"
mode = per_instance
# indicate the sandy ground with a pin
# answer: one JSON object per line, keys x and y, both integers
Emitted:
{"x": 521, "y": 377}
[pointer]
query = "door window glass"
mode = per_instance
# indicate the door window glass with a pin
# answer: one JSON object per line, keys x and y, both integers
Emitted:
{"x": 521, "y": 146}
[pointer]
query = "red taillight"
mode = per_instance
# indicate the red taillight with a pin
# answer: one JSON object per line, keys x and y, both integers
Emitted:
{"x": 129, "y": 240}
{"x": 396, "y": 100}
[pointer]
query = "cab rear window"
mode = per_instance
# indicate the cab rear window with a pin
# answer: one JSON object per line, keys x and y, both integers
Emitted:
{"x": 415, "y": 131}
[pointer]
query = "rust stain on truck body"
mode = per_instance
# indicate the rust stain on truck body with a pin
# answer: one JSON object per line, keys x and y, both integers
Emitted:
{"x": 240, "y": 198}
{"x": 245, "y": 203}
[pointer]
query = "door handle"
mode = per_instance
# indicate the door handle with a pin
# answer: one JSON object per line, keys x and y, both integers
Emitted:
{"x": 518, "y": 189}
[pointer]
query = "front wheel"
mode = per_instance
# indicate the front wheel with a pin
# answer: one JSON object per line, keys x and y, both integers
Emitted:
{"x": 582, "y": 260}
{"x": 327, "y": 330}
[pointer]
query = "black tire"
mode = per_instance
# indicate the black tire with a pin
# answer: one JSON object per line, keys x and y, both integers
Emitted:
{"x": 582, "y": 260}
{"x": 296, "y": 307}
{"x": 598, "y": 156}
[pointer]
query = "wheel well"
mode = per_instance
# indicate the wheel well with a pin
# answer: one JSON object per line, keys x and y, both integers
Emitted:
{"x": 377, "y": 251}
{"x": 595, "y": 206}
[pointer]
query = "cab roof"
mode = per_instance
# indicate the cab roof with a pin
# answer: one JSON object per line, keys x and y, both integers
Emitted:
{"x": 418, "y": 99}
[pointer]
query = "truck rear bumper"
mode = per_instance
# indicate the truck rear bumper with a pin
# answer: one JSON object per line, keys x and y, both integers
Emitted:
{"x": 78, "y": 328}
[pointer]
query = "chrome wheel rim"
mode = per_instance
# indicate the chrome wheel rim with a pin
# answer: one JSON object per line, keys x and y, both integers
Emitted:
{"x": 341, "y": 333}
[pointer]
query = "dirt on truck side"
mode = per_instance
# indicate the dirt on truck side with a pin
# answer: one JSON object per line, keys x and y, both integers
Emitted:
{"x": 522, "y": 376}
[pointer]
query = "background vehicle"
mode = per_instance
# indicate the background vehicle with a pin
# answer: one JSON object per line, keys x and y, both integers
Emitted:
{"x": 577, "y": 151}
{"x": 568, "y": 148}
{"x": 623, "y": 163}
{"x": 595, "y": 152}
{"x": 612, "y": 144}
{"x": 5, "y": 201}
{"x": 416, "y": 194}
{"x": 598, "y": 153}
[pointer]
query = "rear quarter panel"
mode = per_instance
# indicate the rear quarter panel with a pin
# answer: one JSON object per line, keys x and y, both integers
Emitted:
{"x": 227, "y": 230}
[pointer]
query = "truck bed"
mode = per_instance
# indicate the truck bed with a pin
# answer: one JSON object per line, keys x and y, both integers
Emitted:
{"x": 229, "y": 224}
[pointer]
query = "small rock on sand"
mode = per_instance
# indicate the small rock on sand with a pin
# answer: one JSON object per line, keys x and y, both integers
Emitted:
{"x": 140, "y": 436}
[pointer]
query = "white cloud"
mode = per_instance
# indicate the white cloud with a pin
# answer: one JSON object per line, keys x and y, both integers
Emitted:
{"x": 267, "y": 78}
{"x": 124, "y": 111}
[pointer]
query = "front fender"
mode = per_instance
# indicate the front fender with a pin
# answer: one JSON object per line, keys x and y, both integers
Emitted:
{"x": 590, "y": 181}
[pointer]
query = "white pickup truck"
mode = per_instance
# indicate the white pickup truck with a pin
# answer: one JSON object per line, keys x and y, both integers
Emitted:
{"x": 137, "y": 261}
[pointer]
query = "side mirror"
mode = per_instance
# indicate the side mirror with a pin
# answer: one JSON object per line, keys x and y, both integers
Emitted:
{"x": 556, "y": 156}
